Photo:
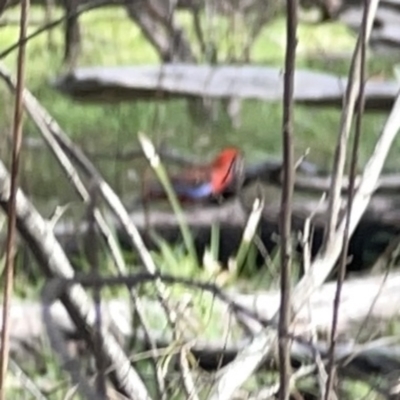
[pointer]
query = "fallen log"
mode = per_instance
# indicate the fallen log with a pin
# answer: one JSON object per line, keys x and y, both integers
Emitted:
{"x": 358, "y": 320}
{"x": 183, "y": 81}
{"x": 385, "y": 34}
{"x": 377, "y": 228}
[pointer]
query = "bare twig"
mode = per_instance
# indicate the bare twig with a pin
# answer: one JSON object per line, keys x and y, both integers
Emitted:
{"x": 286, "y": 200}
{"x": 11, "y": 227}
{"x": 346, "y": 234}
{"x": 349, "y": 102}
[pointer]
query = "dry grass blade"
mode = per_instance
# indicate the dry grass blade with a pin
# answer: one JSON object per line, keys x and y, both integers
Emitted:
{"x": 162, "y": 175}
{"x": 249, "y": 233}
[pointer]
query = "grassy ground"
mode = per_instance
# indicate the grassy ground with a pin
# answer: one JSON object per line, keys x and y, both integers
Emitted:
{"x": 110, "y": 38}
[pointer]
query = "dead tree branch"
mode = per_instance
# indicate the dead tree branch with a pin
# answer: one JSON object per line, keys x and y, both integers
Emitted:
{"x": 287, "y": 200}
{"x": 349, "y": 103}
{"x": 329, "y": 391}
{"x": 11, "y": 227}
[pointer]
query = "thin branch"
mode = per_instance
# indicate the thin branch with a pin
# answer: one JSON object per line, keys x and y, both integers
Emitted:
{"x": 11, "y": 228}
{"x": 352, "y": 182}
{"x": 349, "y": 102}
{"x": 286, "y": 200}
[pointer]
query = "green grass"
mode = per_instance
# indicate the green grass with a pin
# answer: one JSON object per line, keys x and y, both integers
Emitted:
{"x": 110, "y": 38}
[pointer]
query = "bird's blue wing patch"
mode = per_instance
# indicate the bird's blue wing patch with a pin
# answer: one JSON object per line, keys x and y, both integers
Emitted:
{"x": 194, "y": 192}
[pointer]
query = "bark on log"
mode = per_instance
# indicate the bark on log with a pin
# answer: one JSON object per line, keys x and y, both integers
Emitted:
{"x": 375, "y": 232}
{"x": 114, "y": 84}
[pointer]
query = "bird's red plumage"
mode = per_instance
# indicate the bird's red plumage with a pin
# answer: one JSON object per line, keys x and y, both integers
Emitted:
{"x": 222, "y": 170}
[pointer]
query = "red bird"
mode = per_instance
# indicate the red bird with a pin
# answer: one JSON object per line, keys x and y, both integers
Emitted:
{"x": 222, "y": 178}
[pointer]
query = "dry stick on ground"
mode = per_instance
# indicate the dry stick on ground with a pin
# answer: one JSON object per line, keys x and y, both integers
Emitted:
{"x": 286, "y": 200}
{"x": 51, "y": 257}
{"x": 250, "y": 357}
{"x": 329, "y": 391}
{"x": 43, "y": 121}
{"x": 11, "y": 226}
{"x": 345, "y": 124}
